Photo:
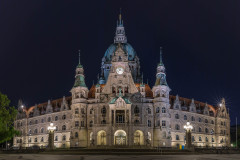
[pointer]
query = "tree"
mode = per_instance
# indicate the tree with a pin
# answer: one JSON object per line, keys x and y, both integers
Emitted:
{"x": 7, "y": 117}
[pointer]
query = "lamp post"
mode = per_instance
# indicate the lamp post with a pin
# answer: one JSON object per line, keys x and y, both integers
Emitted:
{"x": 188, "y": 127}
{"x": 51, "y": 129}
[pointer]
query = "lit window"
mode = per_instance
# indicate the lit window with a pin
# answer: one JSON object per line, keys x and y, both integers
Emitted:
{"x": 163, "y": 110}
{"x": 164, "y": 123}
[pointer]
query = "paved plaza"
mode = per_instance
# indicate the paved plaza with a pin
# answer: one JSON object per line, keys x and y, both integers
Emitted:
{"x": 119, "y": 157}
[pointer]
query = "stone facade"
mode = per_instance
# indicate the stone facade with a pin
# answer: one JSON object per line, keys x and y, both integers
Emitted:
{"x": 121, "y": 110}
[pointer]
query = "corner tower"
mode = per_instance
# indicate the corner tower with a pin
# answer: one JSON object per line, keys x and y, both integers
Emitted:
{"x": 162, "y": 131}
{"x": 79, "y": 90}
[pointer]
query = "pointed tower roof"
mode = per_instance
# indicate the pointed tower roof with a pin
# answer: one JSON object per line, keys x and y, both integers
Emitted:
{"x": 161, "y": 61}
{"x": 79, "y": 63}
{"x": 79, "y": 77}
{"x": 120, "y": 36}
{"x": 161, "y": 78}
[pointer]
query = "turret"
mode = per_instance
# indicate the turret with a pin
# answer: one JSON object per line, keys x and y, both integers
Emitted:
{"x": 120, "y": 36}
{"x": 79, "y": 90}
{"x": 161, "y": 89}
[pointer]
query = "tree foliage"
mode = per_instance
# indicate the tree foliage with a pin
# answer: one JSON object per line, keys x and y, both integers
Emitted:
{"x": 7, "y": 117}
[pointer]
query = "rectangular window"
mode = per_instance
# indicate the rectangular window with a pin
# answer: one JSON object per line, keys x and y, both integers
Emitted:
{"x": 82, "y": 123}
{"x": 76, "y": 123}
{"x": 164, "y": 123}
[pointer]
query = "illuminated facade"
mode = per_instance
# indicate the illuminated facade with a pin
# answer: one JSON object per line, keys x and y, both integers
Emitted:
{"x": 122, "y": 110}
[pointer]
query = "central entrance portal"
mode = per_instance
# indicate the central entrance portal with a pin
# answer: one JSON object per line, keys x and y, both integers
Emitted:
{"x": 120, "y": 138}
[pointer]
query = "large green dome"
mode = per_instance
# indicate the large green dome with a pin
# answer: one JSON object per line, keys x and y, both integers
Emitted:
{"x": 126, "y": 47}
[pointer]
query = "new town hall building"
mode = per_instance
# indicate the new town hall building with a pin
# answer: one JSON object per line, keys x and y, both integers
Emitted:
{"x": 122, "y": 110}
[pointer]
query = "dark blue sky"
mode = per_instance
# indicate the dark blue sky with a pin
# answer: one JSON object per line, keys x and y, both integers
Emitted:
{"x": 200, "y": 39}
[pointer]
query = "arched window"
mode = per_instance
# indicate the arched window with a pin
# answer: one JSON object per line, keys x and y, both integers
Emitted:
{"x": 177, "y": 137}
{"x": 149, "y": 123}
{"x": 212, "y": 122}
{"x": 185, "y": 117}
{"x": 49, "y": 119}
{"x": 36, "y": 121}
{"x": 42, "y": 139}
{"x": 206, "y": 121}
{"x": 56, "y": 118}
{"x": 64, "y": 138}
{"x": 64, "y": 116}
{"x": 200, "y": 138}
{"x": 199, "y": 129}
{"x": 82, "y": 111}
{"x": 149, "y": 111}
{"x": 91, "y": 124}
{"x": 76, "y": 111}
{"x": 206, "y": 130}
{"x": 163, "y": 110}
{"x": 36, "y": 131}
{"x": 192, "y": 118}
{"x": 157, "y": 110}
{"x": 35, "y": 140}
{"x": 56, "y": 138}
{"x": 63, "y": 127}
{"x": 176, "y": 116}
{"x": 91, "y": 111}
{"x": 42, "y": 130}
{"x": 212, "y": 139}
{"x": 30, "y": 131}
{"x": 199, "y": 119}
{"x": 30, "y": 123}
{"x": 103, "y": 110}
{"x": 177, "y": 127}
{"x": 206, "y": 139}
{"x": 136, "y": 110}
{"x": 76, "y": 134}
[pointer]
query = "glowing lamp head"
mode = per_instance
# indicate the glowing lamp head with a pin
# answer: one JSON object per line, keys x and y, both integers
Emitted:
{"x": 51, "y": 127}
{"x": 188, "y": 126}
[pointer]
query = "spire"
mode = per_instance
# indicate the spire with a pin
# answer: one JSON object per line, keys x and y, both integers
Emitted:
{"x": 79, "y": 62}
{"x": 161, "y": 75}
{"x": 79, "y": 52}
{"x": 161, "y": 62}
{"x": 120, "y": 17}
{"x": 79, "y": 76}
{"x": 120, "y": 36}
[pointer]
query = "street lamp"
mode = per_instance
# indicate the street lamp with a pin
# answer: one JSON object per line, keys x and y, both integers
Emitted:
{"x": 51, "y": 129}
{"x": 188, "y": 127}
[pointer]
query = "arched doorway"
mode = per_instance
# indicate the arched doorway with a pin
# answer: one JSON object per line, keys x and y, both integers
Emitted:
{"x": 101, "y": 138}
{"x": 120, "y": 137}
{"x": 138, "y": 138}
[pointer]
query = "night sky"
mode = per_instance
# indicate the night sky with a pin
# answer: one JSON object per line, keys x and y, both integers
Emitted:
{"x": 39, "y": 43}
